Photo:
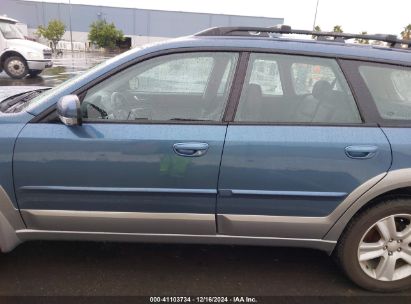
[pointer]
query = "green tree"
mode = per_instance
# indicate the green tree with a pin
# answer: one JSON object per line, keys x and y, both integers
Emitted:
{"x": 338, "y": 29}
{"x": 53, "y": 32}
{"x": 317, "y": 28}
{"x": 406, "y": 33}
{"x": 363, "y": 41}
{"x": 104, "y": 34}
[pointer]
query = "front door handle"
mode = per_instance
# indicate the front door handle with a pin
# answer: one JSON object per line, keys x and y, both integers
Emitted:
{"x": 190, "y": 149}
{"x": 361, "y": 152}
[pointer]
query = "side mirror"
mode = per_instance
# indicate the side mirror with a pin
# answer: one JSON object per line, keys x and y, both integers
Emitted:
{"x": 69, "y": 111}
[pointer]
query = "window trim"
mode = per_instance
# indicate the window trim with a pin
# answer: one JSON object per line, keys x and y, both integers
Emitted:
{"x": 236, "y": 87}
{"x": 301, "y": 124}
{"x": 363, "y": 123}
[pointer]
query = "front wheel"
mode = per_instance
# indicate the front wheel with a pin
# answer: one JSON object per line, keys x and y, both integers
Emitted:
{"x": 375, "y": 249}
{"x": 15, "y": 67}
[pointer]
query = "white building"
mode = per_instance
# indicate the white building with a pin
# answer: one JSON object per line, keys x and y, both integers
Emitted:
{"x": 140, "y": 26}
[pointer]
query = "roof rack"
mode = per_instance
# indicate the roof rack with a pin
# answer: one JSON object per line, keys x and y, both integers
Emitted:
{"x": 392, "y": 40}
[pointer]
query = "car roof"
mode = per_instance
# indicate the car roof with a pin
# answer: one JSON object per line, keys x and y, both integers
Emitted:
{"x": 299, "y": 46}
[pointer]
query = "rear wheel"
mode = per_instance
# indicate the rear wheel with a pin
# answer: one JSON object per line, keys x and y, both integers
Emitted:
{"x": 375, "y": 250}
{"x": 15, "y": 67}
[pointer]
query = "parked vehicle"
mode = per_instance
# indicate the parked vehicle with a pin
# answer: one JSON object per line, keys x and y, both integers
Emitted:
{"x": 231, "y": 136}
{"x": 20, "y": 57}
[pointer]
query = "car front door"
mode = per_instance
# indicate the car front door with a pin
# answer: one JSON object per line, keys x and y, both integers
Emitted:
{"x": 146, "y": 158}
{"x": 296, "y": 150}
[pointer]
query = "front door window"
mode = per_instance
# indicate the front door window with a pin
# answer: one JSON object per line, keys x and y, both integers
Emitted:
{"x": 187, "y": 86}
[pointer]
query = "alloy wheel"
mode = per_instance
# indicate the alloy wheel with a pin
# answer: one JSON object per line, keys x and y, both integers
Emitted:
{"x": 384, "y": 252}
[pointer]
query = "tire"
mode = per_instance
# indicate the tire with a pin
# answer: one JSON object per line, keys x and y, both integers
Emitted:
{"x": 387, "y": 267}
{"x": 15, "y": 67}
{"x": 34, "y": 73}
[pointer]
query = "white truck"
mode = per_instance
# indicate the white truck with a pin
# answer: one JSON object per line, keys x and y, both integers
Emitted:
{"x": 18, "y": 56}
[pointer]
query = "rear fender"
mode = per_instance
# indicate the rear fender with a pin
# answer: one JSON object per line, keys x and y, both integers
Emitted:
{"x": 394, "y": 180}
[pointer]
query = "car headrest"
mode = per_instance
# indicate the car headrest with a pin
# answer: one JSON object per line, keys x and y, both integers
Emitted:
{"x": 321, "y": 89}
{"x": 254, "y": 91}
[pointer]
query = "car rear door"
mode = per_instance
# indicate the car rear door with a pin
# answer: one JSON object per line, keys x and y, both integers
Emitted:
{"x": 296, "y": 149}
{"x": 146, "y": 158}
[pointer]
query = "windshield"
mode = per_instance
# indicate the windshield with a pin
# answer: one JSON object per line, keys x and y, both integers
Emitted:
{"x": 10, "y": 30}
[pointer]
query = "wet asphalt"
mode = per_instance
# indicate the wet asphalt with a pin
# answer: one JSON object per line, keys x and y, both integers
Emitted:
{"x": 87, "y": 268}
{"x": 64, "y": 67}
{"x": 121, "y": 269}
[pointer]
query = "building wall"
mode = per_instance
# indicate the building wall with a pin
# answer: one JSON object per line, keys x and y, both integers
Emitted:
{"x": 140, "y": 24}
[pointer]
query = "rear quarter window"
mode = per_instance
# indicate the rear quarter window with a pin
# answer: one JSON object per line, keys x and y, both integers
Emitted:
{"x": 390, "y": 87}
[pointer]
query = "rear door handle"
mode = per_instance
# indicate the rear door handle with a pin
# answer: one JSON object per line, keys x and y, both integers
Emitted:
{"x": 361, "y": 152}
{"x": 190, "y": 149}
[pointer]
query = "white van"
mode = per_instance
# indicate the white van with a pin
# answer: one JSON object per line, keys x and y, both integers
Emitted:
{"x": 20, "y": 57}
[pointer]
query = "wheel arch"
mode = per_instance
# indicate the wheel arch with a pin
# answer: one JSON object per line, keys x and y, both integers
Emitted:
{"x": 8, "y": 54}
{"x": 396, "y": 183}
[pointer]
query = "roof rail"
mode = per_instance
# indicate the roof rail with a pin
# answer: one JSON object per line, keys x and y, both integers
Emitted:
{"x": 393, "y": 40}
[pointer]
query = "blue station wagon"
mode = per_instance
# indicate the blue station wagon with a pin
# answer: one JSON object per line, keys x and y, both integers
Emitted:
{"x": 242, "y": 136}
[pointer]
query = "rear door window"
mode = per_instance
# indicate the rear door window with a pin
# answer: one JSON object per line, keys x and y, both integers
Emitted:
{"x": 305, "y": 75}
{"x": 265, "y": 74}
{"x": 296, "y": 89}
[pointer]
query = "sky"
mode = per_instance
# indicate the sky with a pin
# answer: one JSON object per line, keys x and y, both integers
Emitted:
{"x": 373, "y": 16}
